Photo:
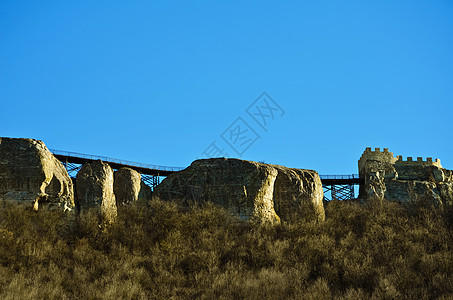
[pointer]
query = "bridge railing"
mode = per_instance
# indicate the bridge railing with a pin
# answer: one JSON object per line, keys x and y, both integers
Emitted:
{"x": 158, "y": 167}
{"x": 353, "y": 176}
{"x": 114, "y": 160}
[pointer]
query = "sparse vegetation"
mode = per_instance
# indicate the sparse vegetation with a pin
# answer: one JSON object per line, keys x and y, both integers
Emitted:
{"x": 161, "y": 251}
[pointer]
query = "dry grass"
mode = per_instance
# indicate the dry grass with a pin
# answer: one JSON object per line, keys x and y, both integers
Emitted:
{"x": 163, "y": 252}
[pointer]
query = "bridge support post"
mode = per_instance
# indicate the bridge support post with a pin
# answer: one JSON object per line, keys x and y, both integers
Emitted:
{"x": 339, "y": 192}
{"x": 72, "y": 168}
{"x": 151, "y": 180}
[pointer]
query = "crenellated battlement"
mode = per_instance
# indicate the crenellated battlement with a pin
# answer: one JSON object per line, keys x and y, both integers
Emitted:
{"x": 376, "y": 153}
{"x": 387, "y": 157}
{"x": 384, "y": 156}
{"x": 419, "y": 162}
{"x": 377, "y": 150}
{"x": 384, "y": 176}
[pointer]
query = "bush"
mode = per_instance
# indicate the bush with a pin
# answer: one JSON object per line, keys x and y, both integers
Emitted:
{"x": 163, "y": 251}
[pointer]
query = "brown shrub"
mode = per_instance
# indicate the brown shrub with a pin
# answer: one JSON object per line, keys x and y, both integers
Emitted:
{"x": 164, "y": 251}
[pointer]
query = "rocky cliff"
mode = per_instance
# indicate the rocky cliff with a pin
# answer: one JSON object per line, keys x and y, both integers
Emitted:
{"x": 31, "y": 175}
{"x": 248, "y": 189}
{"x": 297, "y": 190}
{"x": 404, "y": 181}
{"x": 94, "y": 183}
{"x": 126, "y": 186}
{"x": 145, "y": 193}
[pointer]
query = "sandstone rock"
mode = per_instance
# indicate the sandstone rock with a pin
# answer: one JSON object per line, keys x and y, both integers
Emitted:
{"x": 126, "y": 186}
{"x": 374, "y": 167}
{"x": 31, "y": 175}
{"x": 448, "y": 175}
{"x": 95, "y": 189}
{"x": 421, "y": 173}
{"x": 295, "y": 190}
{"x": 145, "y": 193}
{"x": 375, "y": 185}
{"x": 248, "y": 189}
{"x": 446, "y": 193}
{"x": 413, "y": 191}
{"x": 404, "y": 181}
{"x": 438, "y": 175}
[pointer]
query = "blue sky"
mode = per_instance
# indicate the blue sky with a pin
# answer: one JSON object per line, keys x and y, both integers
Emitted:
{"x": 159, "y": 81}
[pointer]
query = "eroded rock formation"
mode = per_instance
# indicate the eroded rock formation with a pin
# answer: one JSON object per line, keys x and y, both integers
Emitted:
{"x": 297, "y": 189}
{"x": 126, "y": 186}
{"x": 248, "y": 189}
{"x": 31, "y": 175}
{"x": 145, "y": 194}
{"x": 394, "y": 179}
{"x": 94, "y": 183}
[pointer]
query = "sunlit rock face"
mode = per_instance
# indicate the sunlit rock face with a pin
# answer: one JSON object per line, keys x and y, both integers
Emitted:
{"x": 248, "y": 189}
{"x": 296, "y": 191}
{"x": 406, "y": 181}
{"x": 126, "y": 186}
{"x": 129, "y": 188}
{"x": 95, "y": 189}
{"x": 32, "y": 176}
{"x": 374, "y": 167}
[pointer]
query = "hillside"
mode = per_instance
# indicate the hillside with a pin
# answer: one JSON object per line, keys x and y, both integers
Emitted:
{"x": 164, "y": 251}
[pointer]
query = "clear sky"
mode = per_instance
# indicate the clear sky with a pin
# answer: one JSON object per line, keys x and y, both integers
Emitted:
{"x": 159, "y": 81}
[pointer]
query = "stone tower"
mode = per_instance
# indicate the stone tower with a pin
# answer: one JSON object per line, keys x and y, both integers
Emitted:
{"x": 395, "y": 179}
{"x": 374, "y": 166}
